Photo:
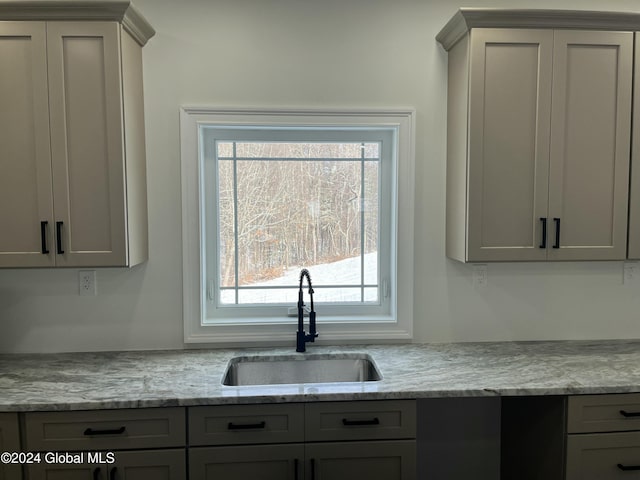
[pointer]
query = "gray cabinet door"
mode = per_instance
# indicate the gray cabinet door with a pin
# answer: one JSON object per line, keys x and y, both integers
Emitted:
{"x": 634, "y": 194}
{"x": 510, "y": 80}
{"x": 374, "y": 460}
{"x": 86, "y": 108}
{"x": 590, "y": 142}
{"x": 152, "y": 464}
{"x": 9, "y": 442}
{"x": 262, "y": 462}
{"x": 59, "y": 471}
{"x": 25, "y": 161}
{"x": 131, "y": 465}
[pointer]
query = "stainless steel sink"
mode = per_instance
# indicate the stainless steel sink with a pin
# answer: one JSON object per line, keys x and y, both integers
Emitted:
{"x": 292, "y": 369}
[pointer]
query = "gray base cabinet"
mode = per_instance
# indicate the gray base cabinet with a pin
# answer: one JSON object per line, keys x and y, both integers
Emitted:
{"x": 134, "y": 465}
{"x": 377, "y": 460}
{"x": 144, "y": 443}
{"x": 603, "y": 455}
{"x": 257, "y": 462}
{"x": 373, "y": 460}
{"x": 9, "y": 442}
{"x": 313, "y": 441}
{"x": 328, "y": 440}
{"x": 603, "y": 440}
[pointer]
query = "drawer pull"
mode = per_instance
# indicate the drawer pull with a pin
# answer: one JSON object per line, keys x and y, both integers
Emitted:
{"x": 295, "y": 469}
{"x": 628, "y": 468}
{"x": 96, "y": 474}
{"x": 112, "y": 474}
{"x": 246, "y": 426}
{"x": 357, "y": 423}
{"x": 557, "y": 222}
{"x": 114, "y": 431}
{"x": 59, "y": 249}
{"x": 626, "y": 414}
{"x": 544, "y": 232}
{"x": 43, "y": 237}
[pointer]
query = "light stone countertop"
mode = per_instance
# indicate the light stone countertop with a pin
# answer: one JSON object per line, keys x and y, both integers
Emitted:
{"x": 85, "y": 381}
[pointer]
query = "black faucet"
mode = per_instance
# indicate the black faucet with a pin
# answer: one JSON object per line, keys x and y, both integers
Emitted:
{"x": 301, "y": 337}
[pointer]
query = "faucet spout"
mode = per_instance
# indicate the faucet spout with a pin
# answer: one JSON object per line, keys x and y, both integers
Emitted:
{"x": 301, "y": 336}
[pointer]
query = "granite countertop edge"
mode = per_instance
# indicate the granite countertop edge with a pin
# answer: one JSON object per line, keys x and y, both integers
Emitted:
{"x": 178, "y": 378}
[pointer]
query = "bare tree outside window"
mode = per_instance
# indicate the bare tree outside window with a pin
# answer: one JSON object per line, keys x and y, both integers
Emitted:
{"x": 283, "y": 206}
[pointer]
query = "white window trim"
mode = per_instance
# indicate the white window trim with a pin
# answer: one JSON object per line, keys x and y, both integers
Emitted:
{"x": 399, "y": 328}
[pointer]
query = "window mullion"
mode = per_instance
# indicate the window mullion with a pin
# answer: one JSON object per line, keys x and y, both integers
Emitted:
{"x": 362, "y": 219}
{"x": 236, "y": 259}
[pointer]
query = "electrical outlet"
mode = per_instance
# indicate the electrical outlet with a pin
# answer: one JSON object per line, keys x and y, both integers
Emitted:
{"x": 480, "y": 275}
{"x": 87, "y": 282}
{"x": 631, "y": 272}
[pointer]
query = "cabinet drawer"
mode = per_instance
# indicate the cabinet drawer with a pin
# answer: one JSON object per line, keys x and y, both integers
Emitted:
{"x": 105, "y": 429}
{"x": 603, "y": 456}
{"x": 365, "y": 420}
{"x": 244, "y": 424}
{"x": 603, "y": 413}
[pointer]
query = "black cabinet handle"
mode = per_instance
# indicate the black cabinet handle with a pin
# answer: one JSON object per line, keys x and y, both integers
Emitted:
{"x": 557, "y": 222}
{"x": 113, "y": 431}
{"x": 544, "y": 232}
{"x": 59, "y": 238}
{"x": 295, "y": 469}
{"x": 43, "y": 237}
{"x": 628, "y": 468}
{"x": 624, "y": 413}
{"x": 112, "y": 473}
{"x": 313, "y": 469}
{"x": 96, "y": 473}
{"x": 246, "y": 426}
{"x": 357, "y": 423}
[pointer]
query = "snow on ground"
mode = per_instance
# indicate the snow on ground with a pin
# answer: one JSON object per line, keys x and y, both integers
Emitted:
{"x": 342, "y": 272}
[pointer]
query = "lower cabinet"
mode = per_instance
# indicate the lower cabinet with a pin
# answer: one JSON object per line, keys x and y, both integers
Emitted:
{"x": 330, "y": 441}
{"x": 9, "y": 442}
{"x": 373, "y": 460}
{"x": 603, "y": 456}
{"x": 256, "y": 462}
{"x": 133, "y": 444}
{"x": 133, "y": 465}
{"x": 603, "y": 437}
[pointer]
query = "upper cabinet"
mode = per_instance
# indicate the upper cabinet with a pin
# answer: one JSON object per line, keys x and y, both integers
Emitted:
{"x": 539, "y": 134}
{"x": 634, "y": 199}
{"x": 72, "y": 159}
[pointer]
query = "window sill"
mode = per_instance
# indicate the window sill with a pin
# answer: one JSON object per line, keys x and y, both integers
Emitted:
{"x": 279, "y": 334}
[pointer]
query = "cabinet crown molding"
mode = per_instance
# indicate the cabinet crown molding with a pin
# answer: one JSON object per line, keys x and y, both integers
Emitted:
{"x": 105, "y": 10}
{"x": 467, "y": 18}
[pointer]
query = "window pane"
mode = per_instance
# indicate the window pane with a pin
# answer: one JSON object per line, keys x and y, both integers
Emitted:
{"x": 225, "y": 149}
{"x": 283, "y": 214}
{"x": 371, "y": 219}
{"x": 371, "y": 150}
{"x": 226, "y": 218}
{"x": 327, "y": 295}
{"x": 371, "y": 295}
{"x": 299, "y": 150}
{"x": 275, "y": 295}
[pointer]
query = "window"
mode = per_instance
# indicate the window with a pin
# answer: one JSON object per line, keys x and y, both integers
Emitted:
{"x": 267, "y": 193}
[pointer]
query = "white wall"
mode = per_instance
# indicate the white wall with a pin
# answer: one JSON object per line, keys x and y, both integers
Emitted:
{"x": 343, "y": 53}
